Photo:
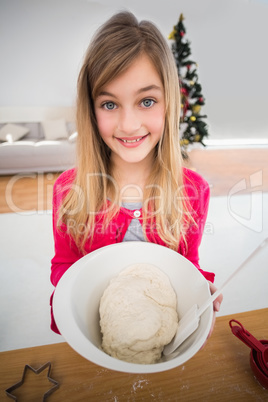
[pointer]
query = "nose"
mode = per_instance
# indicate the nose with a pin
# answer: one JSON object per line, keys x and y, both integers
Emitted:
{"x": 128, "y": 122}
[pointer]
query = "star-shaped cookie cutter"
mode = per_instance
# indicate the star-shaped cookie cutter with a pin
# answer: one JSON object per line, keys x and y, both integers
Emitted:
{"x": 38, "y": 371}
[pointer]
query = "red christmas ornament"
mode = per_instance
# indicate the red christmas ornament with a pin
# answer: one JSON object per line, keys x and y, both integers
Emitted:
{"x": 201, "y": 99}
{"x": 182, "y": 33}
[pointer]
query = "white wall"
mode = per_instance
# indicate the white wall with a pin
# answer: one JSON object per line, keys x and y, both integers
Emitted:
{"x": 42, "y": 43}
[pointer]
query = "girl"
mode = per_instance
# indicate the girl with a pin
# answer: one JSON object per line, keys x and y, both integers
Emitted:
{"x": 129, "y": 183}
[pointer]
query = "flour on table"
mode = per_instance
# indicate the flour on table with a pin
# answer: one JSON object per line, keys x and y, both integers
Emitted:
{"x": 138, "y": 314}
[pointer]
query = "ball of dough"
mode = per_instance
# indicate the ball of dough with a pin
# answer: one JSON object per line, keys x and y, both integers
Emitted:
{"x": 138, "y": 314}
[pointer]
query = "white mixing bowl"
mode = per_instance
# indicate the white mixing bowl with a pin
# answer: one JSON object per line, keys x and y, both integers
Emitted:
{"x": 77, "y": 296}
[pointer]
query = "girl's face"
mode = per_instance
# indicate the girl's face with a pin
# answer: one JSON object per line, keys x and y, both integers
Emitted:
{"x": 130, "y": 112}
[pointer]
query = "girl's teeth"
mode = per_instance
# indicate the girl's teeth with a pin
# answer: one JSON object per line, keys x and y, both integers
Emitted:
{"x": 132, "y": 140}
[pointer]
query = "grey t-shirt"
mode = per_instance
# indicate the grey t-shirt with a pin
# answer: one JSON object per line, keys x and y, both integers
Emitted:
{"x": 134, "y": 231}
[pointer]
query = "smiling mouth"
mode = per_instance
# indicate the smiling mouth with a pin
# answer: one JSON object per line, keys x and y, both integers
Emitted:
{"x": 132, "y": 141}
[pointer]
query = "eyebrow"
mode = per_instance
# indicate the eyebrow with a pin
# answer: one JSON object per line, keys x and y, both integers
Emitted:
{"x": 145, "y": 89}
{"x": 141, "y": 90}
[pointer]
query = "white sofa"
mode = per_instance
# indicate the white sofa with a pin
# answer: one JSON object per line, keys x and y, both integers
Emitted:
{"x": 45, "y": 146}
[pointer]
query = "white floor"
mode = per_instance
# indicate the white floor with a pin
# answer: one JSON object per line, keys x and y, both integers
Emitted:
{"x": 234, "y": 228}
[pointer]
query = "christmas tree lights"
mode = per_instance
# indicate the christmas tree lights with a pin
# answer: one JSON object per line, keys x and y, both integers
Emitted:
{"x": 193, "y": 128}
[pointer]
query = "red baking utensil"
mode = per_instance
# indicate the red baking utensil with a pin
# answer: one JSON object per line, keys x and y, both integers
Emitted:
{"x": 260, "y": 348}
{"x": 258, "y": 373}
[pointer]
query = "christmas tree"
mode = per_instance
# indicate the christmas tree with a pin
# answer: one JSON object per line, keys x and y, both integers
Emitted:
{"x": 193, "y": 128}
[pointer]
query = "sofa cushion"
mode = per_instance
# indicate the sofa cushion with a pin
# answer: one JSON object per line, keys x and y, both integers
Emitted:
{"x": 12, "y": 132}
{"x": 10, "y": 151}
{"x": 49, "y": 148}
{"x": 55, "y": 129}
{"x": 41, "y": 156}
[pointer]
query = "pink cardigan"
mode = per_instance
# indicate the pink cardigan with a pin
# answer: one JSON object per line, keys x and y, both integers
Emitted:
{"x": 67, "y": 253}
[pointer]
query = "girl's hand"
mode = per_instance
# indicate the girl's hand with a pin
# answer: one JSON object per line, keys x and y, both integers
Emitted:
{"x": 216, "y": 308}
{"x": 216, "y": 305}
{"x": 218, "y": 301}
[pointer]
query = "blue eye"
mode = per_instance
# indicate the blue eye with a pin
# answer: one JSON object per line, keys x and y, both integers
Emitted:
{"x": 148, "y": 102}
{"x": 109, "y": 105}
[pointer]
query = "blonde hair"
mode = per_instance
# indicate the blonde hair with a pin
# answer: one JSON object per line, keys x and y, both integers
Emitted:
{"x": 120, "y": 41}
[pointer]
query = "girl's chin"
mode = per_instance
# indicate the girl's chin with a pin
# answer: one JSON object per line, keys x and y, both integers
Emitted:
{"x": 126, "y": 158}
